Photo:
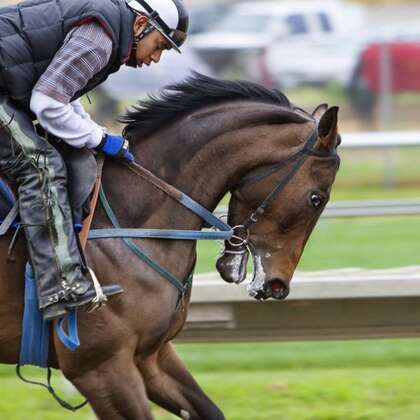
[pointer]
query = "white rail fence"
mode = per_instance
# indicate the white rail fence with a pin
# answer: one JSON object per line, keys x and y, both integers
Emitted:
{"x": 380, "y": 139}
{"x": 334, "y": 304}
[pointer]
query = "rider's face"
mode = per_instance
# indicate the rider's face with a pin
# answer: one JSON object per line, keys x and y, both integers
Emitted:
{"x": 150, "y": 48}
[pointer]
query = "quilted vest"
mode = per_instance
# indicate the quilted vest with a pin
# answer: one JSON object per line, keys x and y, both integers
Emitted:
{"x": 34, "y": 30}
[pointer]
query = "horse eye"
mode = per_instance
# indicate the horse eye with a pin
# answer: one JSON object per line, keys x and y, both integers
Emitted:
{"x": 317, "y": 200}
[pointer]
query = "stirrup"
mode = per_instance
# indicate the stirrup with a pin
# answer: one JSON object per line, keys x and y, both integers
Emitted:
{"x": 100, "y": 299}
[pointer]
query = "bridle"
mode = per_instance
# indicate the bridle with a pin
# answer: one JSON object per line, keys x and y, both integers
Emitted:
{"x": 241, "y": 241}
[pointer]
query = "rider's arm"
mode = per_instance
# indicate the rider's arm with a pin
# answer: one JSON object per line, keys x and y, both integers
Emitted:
{"x": 86, "y": 51}
{"x": 78, "y": 109}
{"x": 64, "y": 122}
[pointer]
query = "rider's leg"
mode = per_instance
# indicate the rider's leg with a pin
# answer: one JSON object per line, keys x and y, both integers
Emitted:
{"x": 40, "y": 173}
{"x": 171, "y": 386}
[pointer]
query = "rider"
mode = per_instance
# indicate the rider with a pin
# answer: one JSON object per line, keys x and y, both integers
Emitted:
{"x": 51, "y": 53}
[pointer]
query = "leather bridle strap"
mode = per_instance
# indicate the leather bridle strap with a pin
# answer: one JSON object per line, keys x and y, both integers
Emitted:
{"x": 301, "y": 157}
{"x": 178, "y": 196}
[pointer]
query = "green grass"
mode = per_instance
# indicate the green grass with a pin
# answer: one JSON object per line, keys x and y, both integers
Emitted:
{"x": 377, "y": 379}
{"x": 318, "y": 380}
{"x": 19, "y": 401}
{"x": 334, "y": 394}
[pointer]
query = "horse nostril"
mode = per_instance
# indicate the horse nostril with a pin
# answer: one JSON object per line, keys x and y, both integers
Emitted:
{"x": 279, "y": 289}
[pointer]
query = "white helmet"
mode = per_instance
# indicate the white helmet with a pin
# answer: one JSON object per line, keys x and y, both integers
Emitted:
{"x": 169, "y": 17}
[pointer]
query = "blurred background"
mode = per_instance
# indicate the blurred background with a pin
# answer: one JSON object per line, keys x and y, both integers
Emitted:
{"x": 364, "y": 57}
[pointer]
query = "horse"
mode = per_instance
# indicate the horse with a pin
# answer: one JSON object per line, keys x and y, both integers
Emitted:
{"x": 206, "y": 137}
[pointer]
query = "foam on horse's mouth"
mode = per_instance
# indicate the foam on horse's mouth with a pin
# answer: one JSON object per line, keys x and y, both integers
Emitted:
{"x": 261, "y": 290}
{"x": 256, "y": 286}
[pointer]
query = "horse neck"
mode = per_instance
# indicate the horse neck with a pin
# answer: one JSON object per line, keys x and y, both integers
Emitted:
{"x": 203, "y": 156}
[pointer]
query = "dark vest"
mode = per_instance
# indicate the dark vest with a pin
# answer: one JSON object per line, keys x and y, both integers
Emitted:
{"x": 33, "y": 31}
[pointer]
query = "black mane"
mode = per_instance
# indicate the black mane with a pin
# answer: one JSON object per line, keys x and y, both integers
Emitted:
{"x": 196, "y": 92}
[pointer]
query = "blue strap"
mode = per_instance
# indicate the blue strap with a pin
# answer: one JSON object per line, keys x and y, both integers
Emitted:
{"x": 35, "y": 331}
{"x": 206, "y": 215}
{"x": 158, "y": 234}
{"x": 7, "y": 192}
{"x": 70, "y": 340}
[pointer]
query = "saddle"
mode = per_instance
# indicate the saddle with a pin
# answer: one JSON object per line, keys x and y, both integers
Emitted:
{"x": 82, "y": 173}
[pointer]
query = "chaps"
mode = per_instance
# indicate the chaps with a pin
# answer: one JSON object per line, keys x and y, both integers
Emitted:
{"x": 39, "y": 171}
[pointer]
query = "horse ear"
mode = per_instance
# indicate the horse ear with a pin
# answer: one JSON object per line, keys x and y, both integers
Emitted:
{"x": 327, "y": 128}
{"x": 319, "y": 111}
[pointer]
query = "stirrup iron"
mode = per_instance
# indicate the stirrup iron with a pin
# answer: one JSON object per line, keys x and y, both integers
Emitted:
{"x": 100, "y": 299}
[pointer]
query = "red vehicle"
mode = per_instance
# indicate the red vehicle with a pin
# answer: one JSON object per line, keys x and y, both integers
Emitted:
{"x": 371, "y": 76}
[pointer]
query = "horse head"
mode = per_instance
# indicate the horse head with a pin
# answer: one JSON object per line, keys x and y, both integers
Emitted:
{"x": 285, "y": 200}
{"x": 278, "y": 162}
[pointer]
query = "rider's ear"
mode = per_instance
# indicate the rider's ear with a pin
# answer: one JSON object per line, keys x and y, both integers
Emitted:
{"x": 139, "y": 24}
{"x": 319, "y": 111}
{"x": 327, "y": 128}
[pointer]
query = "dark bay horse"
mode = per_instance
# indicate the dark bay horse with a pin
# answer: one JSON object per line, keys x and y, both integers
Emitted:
{"x": 206, "y": 137}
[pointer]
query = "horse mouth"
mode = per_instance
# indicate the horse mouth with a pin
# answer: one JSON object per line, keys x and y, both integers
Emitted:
{"x": 261, "y": 289}
{"x": 275, "y": 289}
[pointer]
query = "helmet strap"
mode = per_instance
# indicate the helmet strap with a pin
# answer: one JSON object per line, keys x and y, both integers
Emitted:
{"x": 132, "y": 61}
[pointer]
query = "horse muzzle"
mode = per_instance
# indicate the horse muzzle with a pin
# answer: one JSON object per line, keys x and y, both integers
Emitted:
{"x": 275, "y": 289}
{"x": 262, "y": 288}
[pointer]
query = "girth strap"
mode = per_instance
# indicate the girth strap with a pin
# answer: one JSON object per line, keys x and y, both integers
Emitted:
{"x": 179, "y": 284}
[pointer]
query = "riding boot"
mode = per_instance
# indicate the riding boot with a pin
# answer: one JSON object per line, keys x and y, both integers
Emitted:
{"x": 39, "y": 170}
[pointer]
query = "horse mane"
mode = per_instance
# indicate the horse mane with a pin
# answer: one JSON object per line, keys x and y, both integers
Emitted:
{"x": 194, "y": 93}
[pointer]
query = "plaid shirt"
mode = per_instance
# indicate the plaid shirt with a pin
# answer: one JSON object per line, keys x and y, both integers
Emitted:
{"x": 85, "y": 52}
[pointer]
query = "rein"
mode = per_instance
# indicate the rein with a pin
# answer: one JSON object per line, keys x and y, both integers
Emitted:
{"x": 226, "y": 232}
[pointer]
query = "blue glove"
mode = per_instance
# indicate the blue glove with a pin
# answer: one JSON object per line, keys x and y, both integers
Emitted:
{"x": 115, "y": 146}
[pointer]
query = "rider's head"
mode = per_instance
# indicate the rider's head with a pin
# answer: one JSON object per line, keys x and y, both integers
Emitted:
{"x": 159, "y": 25}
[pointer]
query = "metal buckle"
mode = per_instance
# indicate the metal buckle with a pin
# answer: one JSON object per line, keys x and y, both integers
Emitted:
{"x": 237, "y": 241}
{"x": 253, "y": 218}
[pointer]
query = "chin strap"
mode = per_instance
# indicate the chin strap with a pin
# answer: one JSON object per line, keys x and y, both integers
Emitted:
{"x": 132, "y": 61}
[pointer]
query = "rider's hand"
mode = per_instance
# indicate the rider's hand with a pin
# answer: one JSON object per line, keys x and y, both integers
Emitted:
{"x": 115, "y": 146}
